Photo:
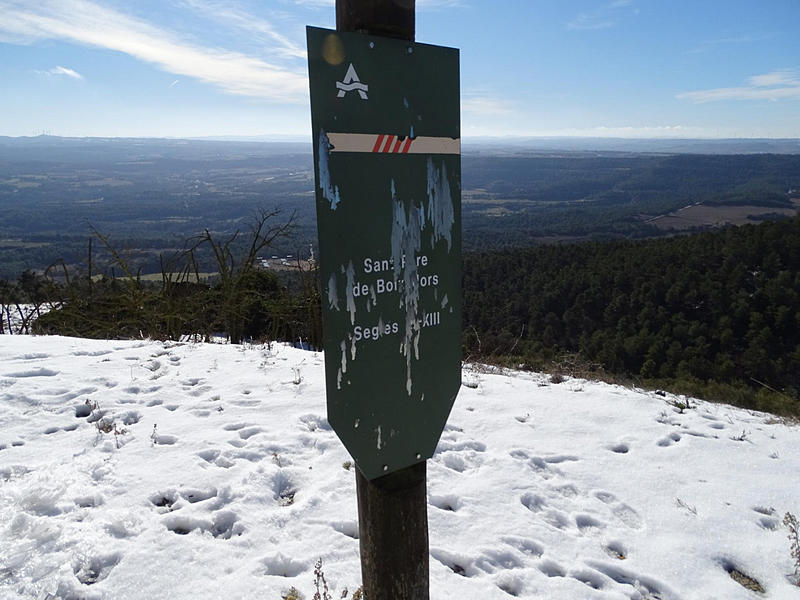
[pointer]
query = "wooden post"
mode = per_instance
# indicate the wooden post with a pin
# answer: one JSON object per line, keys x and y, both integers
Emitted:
{"x": 390, "y": 18}
{"x": 392, "y": 510}
{"x": 393, "y": 534}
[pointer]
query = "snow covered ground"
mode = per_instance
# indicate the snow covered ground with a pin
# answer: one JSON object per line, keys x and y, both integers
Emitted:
{"x": 224, "y": 480}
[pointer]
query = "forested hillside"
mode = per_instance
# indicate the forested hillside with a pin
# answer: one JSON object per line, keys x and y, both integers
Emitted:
{"x": 704, "y": 312}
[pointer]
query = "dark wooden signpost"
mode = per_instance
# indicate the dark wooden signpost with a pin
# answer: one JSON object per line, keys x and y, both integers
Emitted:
{"x": 386, "y": 133}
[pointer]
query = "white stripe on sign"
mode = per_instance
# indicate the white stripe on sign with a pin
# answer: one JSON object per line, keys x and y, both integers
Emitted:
{"x": 392, "y": 144}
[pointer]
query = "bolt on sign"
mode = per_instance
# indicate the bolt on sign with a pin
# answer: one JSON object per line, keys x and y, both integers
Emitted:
{"x": 387, "y": 165}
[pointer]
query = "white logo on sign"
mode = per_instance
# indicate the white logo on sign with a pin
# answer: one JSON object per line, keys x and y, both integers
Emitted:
{"x": 351, "y": 82}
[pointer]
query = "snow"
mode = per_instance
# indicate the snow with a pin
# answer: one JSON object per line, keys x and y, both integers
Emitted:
{"x": 224, "y": 480}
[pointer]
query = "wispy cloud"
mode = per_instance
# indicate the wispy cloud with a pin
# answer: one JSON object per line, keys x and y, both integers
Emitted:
{"x": 484, "y": 104}
{"x": 590, "y": 21}
{"x": 604, "y": 17}
{"x": 439, "y": 4}
{"x": 89, "y": 23}
{"x": 774, "y": 86}
{"x": 745, "y": 38}
{"x": 244, "y": 21}
{"x": 60, "y": 71}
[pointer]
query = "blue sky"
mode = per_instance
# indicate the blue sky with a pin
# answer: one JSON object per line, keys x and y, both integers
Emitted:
{"x": 615, "y": 68}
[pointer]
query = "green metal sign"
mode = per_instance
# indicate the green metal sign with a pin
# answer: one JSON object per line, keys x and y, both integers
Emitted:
{"x": 386, "y": 127}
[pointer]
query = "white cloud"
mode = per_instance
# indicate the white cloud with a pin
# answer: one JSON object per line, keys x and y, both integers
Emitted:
{"x": 483, "y": 104}
{"x": 439, "y": 4}
{"x": 604, "y": 17}
{"x": 775, "y": 78}
{"x": 588, "y": 22}
{"x": 249, "y": 23}
{"x": 774, "y": 86}
{"x": 88, "y": 23}
{"x": 516, "y": 128}
{"x": 629, "y": 131}
{"x": 747, "y": 38}
{"x": 60, "y": 71}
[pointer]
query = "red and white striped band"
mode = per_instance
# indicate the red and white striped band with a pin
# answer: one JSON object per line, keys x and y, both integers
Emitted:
{"x": 393, "y": 144}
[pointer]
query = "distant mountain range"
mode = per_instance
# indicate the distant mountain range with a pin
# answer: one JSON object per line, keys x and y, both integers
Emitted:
{"x": 495, "y": 145}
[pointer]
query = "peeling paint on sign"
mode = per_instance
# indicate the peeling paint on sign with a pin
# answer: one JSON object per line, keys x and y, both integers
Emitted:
{"x": 406, "y": 228}
{"x": 329, "y": 192}
{"x": 440, "y": 204}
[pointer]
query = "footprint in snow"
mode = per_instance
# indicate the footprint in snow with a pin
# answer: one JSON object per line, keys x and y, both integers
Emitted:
{"x": 622, "y": 511}
{"x": 278, "y": 565}
{"x": 587, "y": 524}
{"x": 249, "y": 432}
{"x": 556, "y": 518}
{"x": 533, "y": 502}
{"x": 551, "y": 568}
{"x": 451, "y": 503}
{"x": 90, "y": 570}
{"x": 619, "y": 448}
{"x": 92, "y": 353}
{"x": 627, "y": 515}
{"x": 40, "y": 372}
{"x": 767, "y": 519}
{"x": 511, "y": 583}
{"x": 492, "y": 560}
{"x": 560, "y": 458}
{"x": 457, "y": 455}
{"x": 616, "y": 549}
{"x": 348, "y": 528}
{"x": 209, "y": 455}
{"x": 199, "y": 391}
{"x": 671, "y": 439}
{"x": 527, "y": 546}
{"x": 648, "y": 588}
{"x": 487, "y": 561}
{"x": 589, "y": 577}
{"x": 90, "y": 501}
{"x": 32, "y": 356}
{"x": 315, "y": 423}
{"x": 163, "y": 439}
{"x": 131, "y": 417}
{"x": 223, "y": 524}
{"x": 567, "y": 491}
{"x": 284, "y": 488}
{"x": 216, "y": 457}
{"x": 235, "y": 426}
{"x": 519, "y": 454}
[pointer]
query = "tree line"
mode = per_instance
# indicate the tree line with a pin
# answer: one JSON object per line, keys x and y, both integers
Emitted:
{"x": 713, "y": 314}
